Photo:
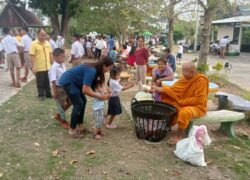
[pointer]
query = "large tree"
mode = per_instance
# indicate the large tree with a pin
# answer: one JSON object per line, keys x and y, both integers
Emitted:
{"x": 210, "y": 8}
{"x": 117, "y": 17}
{"x": 59, "y": 11}
{"x": 171, "y": 10}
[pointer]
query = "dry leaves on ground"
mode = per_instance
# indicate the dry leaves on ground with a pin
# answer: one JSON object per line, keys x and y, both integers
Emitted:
{"x": 73, "y": 161}
{"x": 90, "y": 152}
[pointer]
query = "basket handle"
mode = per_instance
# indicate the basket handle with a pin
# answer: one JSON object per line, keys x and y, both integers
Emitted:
{"x": 133, "y": 100}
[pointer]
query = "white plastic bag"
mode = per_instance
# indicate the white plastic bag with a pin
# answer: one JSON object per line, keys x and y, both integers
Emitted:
{"x": 191, "y": 149}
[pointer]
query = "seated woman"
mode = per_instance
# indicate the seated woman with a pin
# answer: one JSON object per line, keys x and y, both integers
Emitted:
{"x": 162, "y": 73}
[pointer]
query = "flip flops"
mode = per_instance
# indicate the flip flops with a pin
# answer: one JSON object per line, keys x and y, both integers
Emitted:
{"x": 23, "y": 79}
{"x": 75, "y": 134}
{"x": 111, "y": 126}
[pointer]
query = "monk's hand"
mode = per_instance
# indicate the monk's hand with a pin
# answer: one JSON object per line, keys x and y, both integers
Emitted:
{"x": 154, "y": 88}
{"x": 158, "y": 82}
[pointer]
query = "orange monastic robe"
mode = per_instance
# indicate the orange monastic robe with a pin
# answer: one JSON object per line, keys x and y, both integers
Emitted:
{"x": 189, "y": 97}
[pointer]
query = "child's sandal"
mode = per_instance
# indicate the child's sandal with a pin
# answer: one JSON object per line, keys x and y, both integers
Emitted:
{"x": 97, "y": 136}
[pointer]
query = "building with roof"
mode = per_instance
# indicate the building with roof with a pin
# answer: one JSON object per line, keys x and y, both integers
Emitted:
{"x": 238, "y": 30}
{"x": 14, "y": 16}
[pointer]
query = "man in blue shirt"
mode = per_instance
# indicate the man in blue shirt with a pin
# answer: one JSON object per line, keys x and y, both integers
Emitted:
{"x": 170, "y": 59}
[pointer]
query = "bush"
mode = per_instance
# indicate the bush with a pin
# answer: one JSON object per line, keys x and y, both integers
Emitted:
{"x": 218, "y": 66}
{"x": 203, "y": 68}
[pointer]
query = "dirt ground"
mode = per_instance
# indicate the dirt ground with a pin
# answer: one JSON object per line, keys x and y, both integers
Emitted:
{"x": 34, "y": 146}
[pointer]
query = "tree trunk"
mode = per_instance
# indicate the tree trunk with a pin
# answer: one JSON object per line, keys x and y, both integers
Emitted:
{"x": 205, "y": 38}
{"x": 55, "y": 23}
{"x": 65, "y": 18}
{"x": 120, "y": 40}
{"x": 170, "y": 33}
{"x": 170, "y": 16}
{"x": 65, "y": 24}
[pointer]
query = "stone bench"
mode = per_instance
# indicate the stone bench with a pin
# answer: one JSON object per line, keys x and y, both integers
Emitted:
{"x": 236, "y": 102}
{"x": 225, "y": 117}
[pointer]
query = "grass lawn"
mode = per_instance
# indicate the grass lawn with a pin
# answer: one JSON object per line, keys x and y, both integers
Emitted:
{"x": 34, "y": 146}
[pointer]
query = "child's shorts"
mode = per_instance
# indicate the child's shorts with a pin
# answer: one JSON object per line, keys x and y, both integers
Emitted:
{"x": 98, "y": 117}
{"x": 114, "y": 106}
{"x": 62, "y": 97}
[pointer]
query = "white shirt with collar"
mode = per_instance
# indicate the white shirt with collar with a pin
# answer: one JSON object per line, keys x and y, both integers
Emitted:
{"x": 99, "y": 43}
{"x": 60, "y": 42}
{"x": 53, "y": 44}
{"x": 56, "y": 71}
{"x": 77, "y": 50}
{"x": 10, "y": 44}
{"x": 223, "y": 42}
{"x": 115, "y": 87}
{"x": 26, "y": 42}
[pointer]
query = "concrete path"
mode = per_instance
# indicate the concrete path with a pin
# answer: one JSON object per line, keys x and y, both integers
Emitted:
{"x": 5, "y": 80}
{"x": 240, "y": 73}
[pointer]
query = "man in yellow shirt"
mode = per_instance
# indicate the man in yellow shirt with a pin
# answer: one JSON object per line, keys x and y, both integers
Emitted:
{"x": 41, "y": 59}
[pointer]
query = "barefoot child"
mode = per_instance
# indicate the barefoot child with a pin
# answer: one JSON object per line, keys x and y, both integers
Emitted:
{"x": 114, "y": 105}
{"x": 62, "y": 101}
{"x": 98, "y": 111}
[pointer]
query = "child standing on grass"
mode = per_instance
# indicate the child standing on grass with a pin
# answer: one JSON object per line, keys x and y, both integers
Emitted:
{"x": 114, "y": 104}
{"x": 98, "y": 112}
{"x": 62, "y": 100}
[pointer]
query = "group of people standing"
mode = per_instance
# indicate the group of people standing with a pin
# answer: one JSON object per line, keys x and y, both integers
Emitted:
{"x": 12, "y": 49}
{"x": 46, "y": 60}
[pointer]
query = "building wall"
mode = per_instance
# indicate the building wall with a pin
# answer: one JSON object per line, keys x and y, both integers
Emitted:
{"x": 229, "y": 30}
{"x": 225, "y": 30}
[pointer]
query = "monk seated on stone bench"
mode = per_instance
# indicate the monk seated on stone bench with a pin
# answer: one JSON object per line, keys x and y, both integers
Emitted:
{"x": 189, "y": 95}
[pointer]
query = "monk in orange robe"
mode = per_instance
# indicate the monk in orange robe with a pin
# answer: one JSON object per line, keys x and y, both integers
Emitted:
{"x": 189, "y": 95}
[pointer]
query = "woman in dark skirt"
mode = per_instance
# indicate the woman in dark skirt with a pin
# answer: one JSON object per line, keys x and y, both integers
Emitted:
{"x": 114, "y": 104}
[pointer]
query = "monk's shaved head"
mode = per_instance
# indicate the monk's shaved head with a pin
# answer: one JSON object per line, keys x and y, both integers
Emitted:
{"x": 189, "y": 65}
{"x": 188, "y": 70}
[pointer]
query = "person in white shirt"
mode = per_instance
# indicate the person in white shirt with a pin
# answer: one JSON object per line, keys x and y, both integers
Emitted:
{"x": 26, "y": 42}
{"x": 77, "y": 51}
{"x": 114, "y": 104}
{"x": 105, "y": 47}
{"x": 98, "y": 47}
{"x": 52, "y": 42}
{"x": 223, "y": 46}
{"x": 180, "y": 53}
{"x": 10, "y": 46}
{"x": 60, "y": 41}
{"x": 61, "y": 98}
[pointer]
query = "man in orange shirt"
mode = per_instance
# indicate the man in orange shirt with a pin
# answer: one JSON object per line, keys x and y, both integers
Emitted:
{"x": 189, "y": 95}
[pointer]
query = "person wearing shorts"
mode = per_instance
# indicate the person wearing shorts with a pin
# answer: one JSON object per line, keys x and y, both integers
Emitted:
{"x": 98, "y": 114}
{"x": 60, "y": 96}
{"x": 10, "y": 46}
{"x": 26, "y": 42}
